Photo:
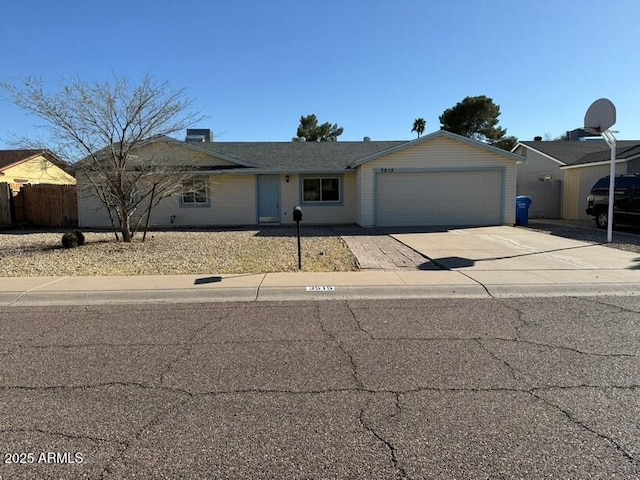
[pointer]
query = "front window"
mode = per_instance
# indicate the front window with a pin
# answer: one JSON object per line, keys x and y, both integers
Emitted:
{"x": 325, "y": 189}
{"x": 194, "y": 193}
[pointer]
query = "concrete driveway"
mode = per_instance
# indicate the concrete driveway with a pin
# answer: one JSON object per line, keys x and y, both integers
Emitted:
{"x": 518, "y": 256}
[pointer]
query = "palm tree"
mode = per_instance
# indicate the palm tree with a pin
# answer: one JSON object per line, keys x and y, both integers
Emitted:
{"x": 418, "y": 126}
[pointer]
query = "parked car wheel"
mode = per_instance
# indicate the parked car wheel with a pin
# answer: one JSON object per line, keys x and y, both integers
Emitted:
{"x": 602, "y": 219}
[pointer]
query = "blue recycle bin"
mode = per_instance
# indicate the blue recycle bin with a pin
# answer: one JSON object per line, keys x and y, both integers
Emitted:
{"x": 522, "y": 210}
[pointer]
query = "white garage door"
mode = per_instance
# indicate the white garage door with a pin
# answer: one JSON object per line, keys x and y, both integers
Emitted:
{"x": 439, "y": 198}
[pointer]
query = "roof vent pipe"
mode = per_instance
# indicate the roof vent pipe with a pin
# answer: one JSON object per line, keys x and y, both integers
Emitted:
{"x": 366, "y": 139}
{"x": 537, "y": 139}
{"x": 199, "y": 135}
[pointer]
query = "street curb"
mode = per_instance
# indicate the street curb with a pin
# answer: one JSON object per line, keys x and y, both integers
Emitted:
{"x": 299, "y": 293}
{"x": 564, "y": 290}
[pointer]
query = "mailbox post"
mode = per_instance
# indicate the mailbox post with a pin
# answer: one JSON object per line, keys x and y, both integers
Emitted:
{"x": 297, "y": 216}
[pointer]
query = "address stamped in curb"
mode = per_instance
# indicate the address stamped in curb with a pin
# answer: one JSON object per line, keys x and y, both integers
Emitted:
{"x": 321, "y": 288}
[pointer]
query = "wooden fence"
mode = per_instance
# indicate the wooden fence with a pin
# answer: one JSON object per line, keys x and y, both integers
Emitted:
{"x": 5, "y": 204}
{"x": 44, "y": 205}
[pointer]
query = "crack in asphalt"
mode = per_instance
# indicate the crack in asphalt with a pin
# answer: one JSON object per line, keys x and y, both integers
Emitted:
{"x": 356, "y": 320}
{"x": 186, "y": 344}
{"x": 519, "y": 316}
{"x": 618, "y": 446}
{"x": 357, "y": 389}
{"x": 163, "y": 413}
{"x": 511, "y": 368}
{"x": 558, "y": 347}
{"x": 331, "y": 336}
{"x": 279, "y": 391}
{"x": 156, "y": 420}
{"x": 597, "y": 301}
{"x": 17, "y": 344}
{"x": 397, "y": 405}
{"x": 190, "y": 344}
{"x": 586, "y": 385}
{"x": 68, "y": 436}
{"x": 400, "y": 472}
{"x": 96, "y": 386}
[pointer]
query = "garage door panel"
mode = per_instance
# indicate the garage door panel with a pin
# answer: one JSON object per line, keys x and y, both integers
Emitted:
{"x": 439, "y": 198}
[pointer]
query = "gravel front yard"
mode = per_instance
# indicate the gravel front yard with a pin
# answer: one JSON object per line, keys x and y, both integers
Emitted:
{"x": 587, "y": 232}
{"x": 26, "y": 253}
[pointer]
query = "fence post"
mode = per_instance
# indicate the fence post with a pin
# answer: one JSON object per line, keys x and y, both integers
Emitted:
{"x": 5, "y": 204}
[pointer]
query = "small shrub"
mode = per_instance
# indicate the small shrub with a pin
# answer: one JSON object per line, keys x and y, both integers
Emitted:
{"x": 72, "y": 239}
{"x": 79, "y": 236}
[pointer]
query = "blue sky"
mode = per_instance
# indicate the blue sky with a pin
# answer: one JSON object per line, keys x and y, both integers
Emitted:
{"x": 254, "y": 67}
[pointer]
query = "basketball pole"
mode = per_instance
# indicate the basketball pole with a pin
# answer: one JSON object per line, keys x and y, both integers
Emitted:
{"x": 600, "y": 117}
{"x": 611, "y": 141}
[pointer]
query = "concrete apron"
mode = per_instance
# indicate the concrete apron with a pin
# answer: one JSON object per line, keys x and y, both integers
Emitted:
{"x": 510, "y": 261}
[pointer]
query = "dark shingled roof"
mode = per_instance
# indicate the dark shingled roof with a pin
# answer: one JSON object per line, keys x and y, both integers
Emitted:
{"x": 622, "y": 152}
{"x": 9, "y": 157}
{"x": 298, "y": 156}
{"x": 574, "y": 152}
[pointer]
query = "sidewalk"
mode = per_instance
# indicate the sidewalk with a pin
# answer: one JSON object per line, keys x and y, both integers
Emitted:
{"x": 314, "y": 286}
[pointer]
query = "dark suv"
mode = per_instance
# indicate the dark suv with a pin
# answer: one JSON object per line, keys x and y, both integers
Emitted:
{"x": 626, "y": 205}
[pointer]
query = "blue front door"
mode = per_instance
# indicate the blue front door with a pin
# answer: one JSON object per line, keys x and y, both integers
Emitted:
{"x": 268, "y": 198}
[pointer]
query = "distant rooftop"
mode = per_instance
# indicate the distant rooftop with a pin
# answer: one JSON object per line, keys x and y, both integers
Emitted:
{"x": 576, "y": 152}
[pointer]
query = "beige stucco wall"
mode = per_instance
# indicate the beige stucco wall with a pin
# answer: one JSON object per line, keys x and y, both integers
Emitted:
{"x": 316, "y": 213}
{"x": 37, "y": 170}
{"x": 232, "y": 198}
{"x": 536, "y": 166}
{"x": 289, "y": 197}
{"x": 577, "y": 185}
{"x": 437, "y": 153}
{"x": 232, "y": 201}
{"x": 546, "y": 194}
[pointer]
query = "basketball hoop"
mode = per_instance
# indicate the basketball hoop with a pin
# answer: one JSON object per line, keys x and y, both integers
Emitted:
{"x": 600, "y": 116}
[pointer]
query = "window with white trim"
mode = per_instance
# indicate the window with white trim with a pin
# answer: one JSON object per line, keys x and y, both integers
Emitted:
{"x": 321, "y": 189}
{"x": 194, "y": 193}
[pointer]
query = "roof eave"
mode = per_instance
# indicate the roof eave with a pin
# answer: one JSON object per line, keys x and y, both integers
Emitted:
{"x": 282, "y": 171}
{"x": 595, "y": 164}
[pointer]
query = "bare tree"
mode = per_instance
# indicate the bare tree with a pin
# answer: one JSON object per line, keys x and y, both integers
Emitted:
{"x": 101, "y": 125}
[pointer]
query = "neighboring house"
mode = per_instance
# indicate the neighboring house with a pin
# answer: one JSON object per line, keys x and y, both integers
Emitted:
{"x": 559, "y": 174}
{"x": 438, "y": 179}
{"x": 18, "y": 167}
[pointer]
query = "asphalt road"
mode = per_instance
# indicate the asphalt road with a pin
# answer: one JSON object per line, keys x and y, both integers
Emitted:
{"x": 437, "y": 389}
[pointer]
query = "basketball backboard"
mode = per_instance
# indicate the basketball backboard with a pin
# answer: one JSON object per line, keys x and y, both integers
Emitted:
{"x": 600, "y": 116}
